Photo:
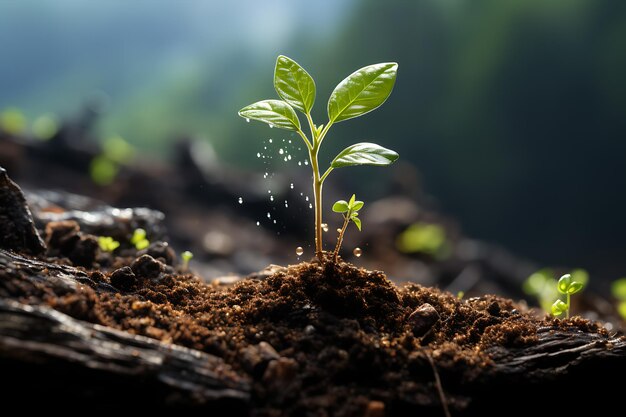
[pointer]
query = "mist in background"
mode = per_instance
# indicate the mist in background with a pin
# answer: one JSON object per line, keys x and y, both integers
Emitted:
{"x": 513, "y": 113}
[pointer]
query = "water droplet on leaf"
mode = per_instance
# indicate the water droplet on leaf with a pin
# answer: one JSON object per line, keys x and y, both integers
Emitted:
{"x": 247, "y": 120}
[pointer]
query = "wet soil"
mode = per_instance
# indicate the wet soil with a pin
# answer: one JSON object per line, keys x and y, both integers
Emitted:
{"x": 313, "y": 339}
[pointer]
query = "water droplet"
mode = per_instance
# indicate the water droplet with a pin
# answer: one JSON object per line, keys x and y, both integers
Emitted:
{"x": 299, "y": 251}
{"x": 270, "y": 139}
{"x": 306, "y": 162}
{"x": 258, "y": 223}
{"x": 271, "y": 198}
{"x": 289, "y": 157}
{"x": 310, "y": 205}
{"x": 269, "y": 216}
{"x": 247, "y": 120}
{"x": 291, "y": 185}
{"x": 339, "y": 230}
{"x": 274, "y": 221}
{"x": 240, "y": 200}
{"x": 271, "y": 127}
{"x": 306, "y": 198}
{"x": 285, "y": 158}
{"x": 357, "y": 252}
{"x": 325, "y": 227}
{"x": 281, "y": 151}
{"x": 289, "y": 140}
{"x": 286, "y": 205}
{"x": 258, "y": 154}
{"x": 269, "y": 191}
{"x": 300, "y": 163}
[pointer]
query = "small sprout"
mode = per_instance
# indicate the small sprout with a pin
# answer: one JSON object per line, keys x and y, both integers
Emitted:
{"x": 350, "y": 210}
{"x": 460, "y": 295}
{"x": 139, "y": 239}
{"x": 618, "y": 289}
{"x": 567, "y": 286}
{"x": 186, "y": 255}
{"x": 107, "y": 243}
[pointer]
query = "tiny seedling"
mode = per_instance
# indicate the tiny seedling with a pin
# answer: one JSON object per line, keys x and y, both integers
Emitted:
{"x": 567, "y": 286}
{"x": 618, "y": 289}
{"x": 107, "y": 243}
{"x": 361, "y": 92}
{"x": 186, "y": 255}
{"x": 350, "y": 210}
{"x": 139, "y": 239}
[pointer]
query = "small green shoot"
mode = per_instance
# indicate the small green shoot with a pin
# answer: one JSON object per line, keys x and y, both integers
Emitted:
{"x": 139, "y": 239}
{"x": 186, "y": 256}
{"x": 107, "y": 243}
{"x": 567, "y": 286}
{"x": 618, "y": 289}
{"x": 361, "y": 92}
{"x": 350, "y": 210}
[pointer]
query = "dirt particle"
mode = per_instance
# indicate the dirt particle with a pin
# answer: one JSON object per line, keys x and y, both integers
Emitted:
{"x": 147, "y": 267}
{"x": 423, "y": 319}
{"x": 123, "y": 278}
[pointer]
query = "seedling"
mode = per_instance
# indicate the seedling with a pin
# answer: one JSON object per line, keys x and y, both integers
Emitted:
{"x": 107, "y": 243}
{"x": 139, "y": 239}
{"x": 186, "y": 255}
{"x": 361, "y": 92}
{"x": 567, "y": 286}
{"x": 350, "y": 210}
{"x": 618, "y": 289}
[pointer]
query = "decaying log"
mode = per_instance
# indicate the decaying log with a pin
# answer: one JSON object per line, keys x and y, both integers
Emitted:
{"x": 39, "y": 346}
{"x": 17, "y": 229}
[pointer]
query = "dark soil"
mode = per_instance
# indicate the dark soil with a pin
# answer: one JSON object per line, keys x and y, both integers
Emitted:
{"x": 314, "y": 339}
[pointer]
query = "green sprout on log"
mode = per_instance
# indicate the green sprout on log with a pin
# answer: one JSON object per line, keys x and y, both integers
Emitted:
{"x": 107, "y": 243}
{"x": 567, "y": 286}
{"x": 361, "y": 92}
{"x": 350, "y": 210}
{"x": 139, "y": 239}
{"x": 186, "y": 255}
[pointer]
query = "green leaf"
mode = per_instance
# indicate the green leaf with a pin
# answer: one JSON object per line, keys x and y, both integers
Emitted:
{"x": 558, "y": 308}
{"x": 362, "y": 91}
{"x": 340, "y": 206}
{"x": 357, "y": 222}
{"x": 575, "y": 287}
{"x": 564, "y": 282}
{"x": 293, "y": 84}
{"x": 351, "y": 202}
{"x": 364, "y": 153}
{"x": 358, "y": 205}
{"x": 618, "y": 289}
{"x": 273, "y": 112}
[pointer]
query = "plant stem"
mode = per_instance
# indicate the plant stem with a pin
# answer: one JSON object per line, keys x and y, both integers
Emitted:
{"x": 340, "y": 238}
{"x": 567, "y": 311}
{"x": 317, "y": 194}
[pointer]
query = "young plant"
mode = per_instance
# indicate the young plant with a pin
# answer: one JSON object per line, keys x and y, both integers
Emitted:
{"x": 350, "y": 210}
{"x": 567, "y": 286}
{"x": 107, "y": 243}
{"x": 618, "y": 289}
{"x": 361, "y": 92}
{"x": 186, "y": 255}
{"x": 139, "y": 239}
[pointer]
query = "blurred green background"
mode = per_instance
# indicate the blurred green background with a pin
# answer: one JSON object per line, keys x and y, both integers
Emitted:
{"x": 513, "y": 112}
